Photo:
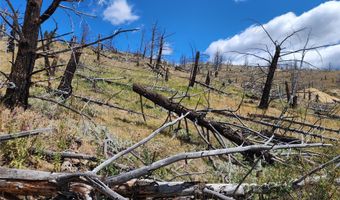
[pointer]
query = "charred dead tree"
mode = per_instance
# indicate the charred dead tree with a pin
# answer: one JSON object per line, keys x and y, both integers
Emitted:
{"x": 160, "y": 51}
{"x": 199, "y": 118}
{"x": 264, "y": 103}
{"x": 65, "y": 85}
{"x": 167, "y": 74}
{"x": 2, "y": 30}
{"x": 141, "y": 52}
{"x": 183, "y": 62}
{"x": 24, "y": 63}
{"x": 218, "y": 61}
{"x": 207, "y": 79}
{"x": 287, "y": 91}
{"x": 152, "y": 45}
{"x": 99, "y": 48}
{"x": 46, "y": 42}
{"x": 273, "y": 63}
{"x": 46, "y": 47}
{"x": 194, "y": 70}
{"x": 23, "y": 66}
{"x": 10, "y": 42}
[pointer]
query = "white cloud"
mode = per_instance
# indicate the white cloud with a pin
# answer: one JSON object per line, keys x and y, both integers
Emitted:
{"x": 167, "y": 49}
{"x": 322, "y": 22}
{"x": 119, "y": 12}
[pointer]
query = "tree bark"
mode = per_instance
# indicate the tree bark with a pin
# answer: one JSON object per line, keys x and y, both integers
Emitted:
{"x": 287, "y": 91}
{"x": 154, "y": 28}
{"x": 160, "y": 51}
{"x": 21, "y": 71}
{"x": 194, "y": 71}
{"x": 264, "y": 103}
{"x": 65, "y": 86}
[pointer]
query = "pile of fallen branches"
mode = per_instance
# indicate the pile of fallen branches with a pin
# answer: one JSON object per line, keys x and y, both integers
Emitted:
{"x": 15, "y": 183}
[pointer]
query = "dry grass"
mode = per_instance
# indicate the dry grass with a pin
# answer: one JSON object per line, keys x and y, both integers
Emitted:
{"x": 130, "y": 128}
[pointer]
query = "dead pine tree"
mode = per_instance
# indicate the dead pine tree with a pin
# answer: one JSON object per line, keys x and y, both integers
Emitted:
{"x": 264, "y": 103}
{"x": 195, "y": 70}
{"x": 287, "y": 91}
{"x": 141, "y": 52}
{"x": 160, "y": 50}
{"x": 273, "y": 63}
{"x": 99, "y": 47}
{"x": 23, "y": 65}
{"x": 65, "y": 85}
{"x": 218, "y": 61}
{"x": 167, "y": 75}
{"x": 207, "y": 79}
{"x": 152, "y": 45}
{"x": 2, "y": 30}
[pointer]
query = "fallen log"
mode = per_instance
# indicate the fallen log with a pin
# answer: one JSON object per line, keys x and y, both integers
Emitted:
{"x": 22, "y": 134}
{"x": 318, "y": 127}
{"x": 15, "y": 182}
{"x": 145, "y": 188}
{"x": 194, "y": 116}
{"x": 146, "y": 170}
{"x": 49, "y": 184}
{"x": 63, "y": 155}
{"x": 212, "y": 88}
{"x": 331, "y": 116}
{"x": 293, "y": 130}
{"x": 104, "y": 80}
{"x": 101, "y": 103}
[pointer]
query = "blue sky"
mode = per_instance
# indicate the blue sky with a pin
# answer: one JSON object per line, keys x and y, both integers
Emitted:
{"x": 196, "y": 23}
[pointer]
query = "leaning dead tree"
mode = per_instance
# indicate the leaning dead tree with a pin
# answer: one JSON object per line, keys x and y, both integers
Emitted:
{"x": 152, "y": 45}
{"x": 273, "y": 64}
{"x": 194, "y": 70}
{"x": 160, "y": 50}
{"x": 65, "y": 86}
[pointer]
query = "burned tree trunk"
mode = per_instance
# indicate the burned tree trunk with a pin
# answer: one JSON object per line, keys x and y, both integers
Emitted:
{"x": 264, "y": 103}
{"x": 160, "y": 51}
{"x": 287, "y": 91}
{"x": 65, "y": 86}
{"x": 167, "y": 75}
{"x": 194, "y": 71}
{"x": 21, "y": 71}
{"x": 199, "y": 118}
{"x": 207, "y": 79}
{"x": 154, "y": 28}
{"x": 98, "y": 49}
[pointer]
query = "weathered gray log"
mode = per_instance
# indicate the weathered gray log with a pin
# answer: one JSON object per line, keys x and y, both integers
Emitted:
{"x": 150, "y": 188}
{"x": 143, "y": 188}
{"x": 293, "y": 130}
{"x": 63, "y": 155}
{"x": 146, "y": 170}
{"x": 48, "y": 184}
{"x": 212, "y": 88}
{"x": 38, "y": 183}
{"x": 7, "y": 137}
{"x": 318, "y": 127}
{"x": 101, "y": 103}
